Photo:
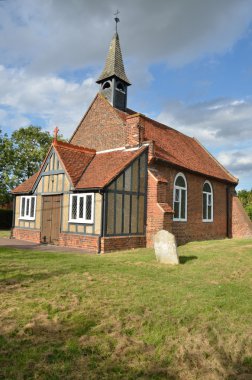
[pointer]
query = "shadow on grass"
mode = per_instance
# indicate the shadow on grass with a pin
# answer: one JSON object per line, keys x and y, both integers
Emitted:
{"x": 49, "y": 349}
{"x": 20, "y": 278}
{"x": 185, "y": 259}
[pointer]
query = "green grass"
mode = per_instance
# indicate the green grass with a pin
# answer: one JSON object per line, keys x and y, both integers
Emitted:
{"x": 5, "y": 233}
{"x": 124, "y": 316}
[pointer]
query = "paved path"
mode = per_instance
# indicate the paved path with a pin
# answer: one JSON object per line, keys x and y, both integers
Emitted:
{"x": 21, "y": 244}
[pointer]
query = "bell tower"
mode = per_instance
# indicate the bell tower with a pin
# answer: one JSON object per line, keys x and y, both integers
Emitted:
{"x": 113, "y": 80}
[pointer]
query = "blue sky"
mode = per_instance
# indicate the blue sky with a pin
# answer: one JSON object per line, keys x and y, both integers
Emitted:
{"x": 189, "y": 62}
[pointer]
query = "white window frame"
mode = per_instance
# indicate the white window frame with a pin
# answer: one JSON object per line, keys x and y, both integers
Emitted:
{"x": 81, "y": 220}
{"x": 27, "y": 215}
{"x": 209, "y": 220}
{"x": 179, "y": 188}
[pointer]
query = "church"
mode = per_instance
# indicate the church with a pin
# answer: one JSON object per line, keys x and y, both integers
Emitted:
{"x": 122, "y": 177}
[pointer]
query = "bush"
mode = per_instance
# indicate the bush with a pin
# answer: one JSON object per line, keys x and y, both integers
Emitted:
{"x": 5, "y": 219}
{"x": 248, "y": 209}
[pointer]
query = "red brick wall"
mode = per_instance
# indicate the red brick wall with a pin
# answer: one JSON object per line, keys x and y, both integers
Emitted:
{"x": 133, "y": 130}
{"x": 241, "y": 224}
{"x": 116, "y": 243}
{"x": 101, "y": 128}
{"x": 26, "y": 234}
{"x": 87, "y": 243}
{"x": 194, "y": 228}
{"x": 157, "y": 219}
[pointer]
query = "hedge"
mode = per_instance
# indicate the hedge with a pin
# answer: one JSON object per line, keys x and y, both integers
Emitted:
{"x": 5, "y": 218}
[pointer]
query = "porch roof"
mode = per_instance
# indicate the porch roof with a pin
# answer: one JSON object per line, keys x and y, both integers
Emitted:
{"x": 86, "y": 168}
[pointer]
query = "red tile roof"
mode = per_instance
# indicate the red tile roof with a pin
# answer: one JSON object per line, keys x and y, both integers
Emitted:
{"x": 105, "y": 167}
{"x": 85, "y": 167}
{"x": 75, "y": 159}
{"x": 181, "y": 150}
{"x": 27, "y": 186}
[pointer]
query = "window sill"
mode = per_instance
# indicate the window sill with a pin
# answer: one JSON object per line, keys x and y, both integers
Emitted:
{"x": 180, "y": 220}
{"x": 207, "y": 221}
{"x": 81, "y": 221}
{"x": 27, "y": 219}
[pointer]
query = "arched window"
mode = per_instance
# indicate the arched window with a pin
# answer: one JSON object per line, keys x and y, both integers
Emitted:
{"x": 207, "y": 214}
{"x": 120, "y": 86}
{"x": 180, "y": 198}
{"x": 106, "y": 85}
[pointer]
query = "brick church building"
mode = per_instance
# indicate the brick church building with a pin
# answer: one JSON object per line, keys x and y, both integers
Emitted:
{"x": 122, "y": 177}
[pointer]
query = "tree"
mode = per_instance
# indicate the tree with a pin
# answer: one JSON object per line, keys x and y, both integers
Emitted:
{"x": 5, "y": 159}
{"x": 245, "y": 197}
{"x": 29, "y": 147}
{"x": 21, "y": 156}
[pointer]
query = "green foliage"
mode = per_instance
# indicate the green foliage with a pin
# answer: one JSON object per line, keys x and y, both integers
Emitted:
{"x": 29, "y": 147}
{"x": 124, "y": 316}
{"x": 21, "y": 155}
{"x": 245, "y": 197}
{"x": 248, "y": 209}
{"x": 6, "y": 159}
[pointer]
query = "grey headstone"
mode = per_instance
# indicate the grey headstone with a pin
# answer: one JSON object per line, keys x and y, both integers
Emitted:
{"x": 166, "y": 248}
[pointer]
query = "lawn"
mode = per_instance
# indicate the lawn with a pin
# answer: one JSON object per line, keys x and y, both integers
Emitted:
{"x": 124, "y": 316}
{"x": 5, "y": 233}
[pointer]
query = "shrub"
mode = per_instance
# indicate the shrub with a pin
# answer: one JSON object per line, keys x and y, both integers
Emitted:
{"x": 248, "y": 209}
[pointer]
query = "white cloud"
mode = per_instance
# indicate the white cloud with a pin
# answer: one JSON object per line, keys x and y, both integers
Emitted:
{"x": 216, "y": 123}
{"x": 56, "y": 101}
{"x": 53, "y": 35}
{"x": 224, "y": 126}
{"x": 239, "y": 162}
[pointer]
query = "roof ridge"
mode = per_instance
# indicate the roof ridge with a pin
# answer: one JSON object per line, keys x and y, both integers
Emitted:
{"x": 161, "y": 125}
{"x": 70, "y": 146}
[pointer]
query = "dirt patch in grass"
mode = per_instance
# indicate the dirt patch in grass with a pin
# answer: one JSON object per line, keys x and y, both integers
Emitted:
{"x": 201, "y": 357}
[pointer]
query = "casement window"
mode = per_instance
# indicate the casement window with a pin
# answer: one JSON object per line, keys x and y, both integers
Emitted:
{"x": 28, "y": 207}
{"x": 207, "y": 214}
{"x": 180, "y": 198}
{"x": 81, "y": 208}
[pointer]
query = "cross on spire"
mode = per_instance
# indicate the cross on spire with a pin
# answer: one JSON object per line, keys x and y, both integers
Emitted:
{"x": 116, "y": 18}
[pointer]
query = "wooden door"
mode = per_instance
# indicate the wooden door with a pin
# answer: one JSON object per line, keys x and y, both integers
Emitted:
{"x": 50, "y": 219}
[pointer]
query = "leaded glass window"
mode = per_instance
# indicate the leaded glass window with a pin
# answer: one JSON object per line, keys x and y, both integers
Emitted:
{"x": 74, "y": 207}
{"x": 81, "y": 208}
{"x": 28, "y": 207}
{"x": 88, "y": 207}
{"x": 32, "y": 211}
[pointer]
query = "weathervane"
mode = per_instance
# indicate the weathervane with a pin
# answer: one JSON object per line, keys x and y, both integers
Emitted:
{"x": 116, "y": 18}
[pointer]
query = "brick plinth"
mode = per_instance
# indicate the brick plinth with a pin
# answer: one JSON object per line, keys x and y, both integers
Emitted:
{"x": 26, "y": 234}
{"x": 88, "y": 243}
{"x": 241, "y": 224}
{"x": 117, "y": 243}
{"x": 159, "y": 216}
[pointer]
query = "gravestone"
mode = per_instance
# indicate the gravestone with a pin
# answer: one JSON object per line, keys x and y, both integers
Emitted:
{"x": 166, "y": 248}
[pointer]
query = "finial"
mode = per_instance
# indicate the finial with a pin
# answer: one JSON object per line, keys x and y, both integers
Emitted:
{"x": 116, "y": 18}
{"x": 55, "y": 134}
